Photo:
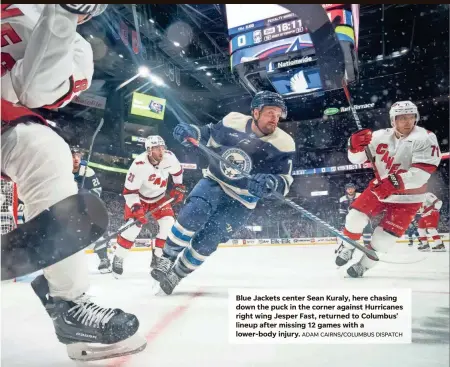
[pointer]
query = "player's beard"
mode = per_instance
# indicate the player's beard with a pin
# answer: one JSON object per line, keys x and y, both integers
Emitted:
{"x": 155, "y": 158}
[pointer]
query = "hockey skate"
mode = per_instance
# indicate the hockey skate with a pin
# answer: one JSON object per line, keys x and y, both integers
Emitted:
{"x": 424, "y": 247}
{"x": 439, "y": 248}
{"x": 163, "y": 265}
{"x": 117, "y": 266}
{"x": 155, "y": 258}
{"x": 344, "y": 255}
{"x": 104, "y": 266}
{"x": 89, "y": 331}
{"x": 169, "y": 281}
{"x": 356, "y": 270}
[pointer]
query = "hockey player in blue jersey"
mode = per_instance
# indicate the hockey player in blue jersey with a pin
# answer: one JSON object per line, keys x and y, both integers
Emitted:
{"x": 91, "y": 183}
{"x": 223, "y": 200}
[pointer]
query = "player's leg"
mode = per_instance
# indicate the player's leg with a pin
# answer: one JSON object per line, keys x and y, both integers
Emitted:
{"x": 433, "y": 223}
{"x": 228, "y": 218}
{"x": 200, "y": 204}
{"x": 166, "y": 219}
{"x": 40, "y": 163}
{"x": 102, "y": 253}
{"x": 367, "y": 233}
{"x": 125, "y": 241}
{"x": 365, "y": 206}
{"x": 423, "y": 238}
{"x": 394, "y": 223}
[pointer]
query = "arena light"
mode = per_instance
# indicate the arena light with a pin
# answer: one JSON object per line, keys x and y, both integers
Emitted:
{"x": 143, "y": 71}
{"x": 176, "y": 44}
{"x": 156, "y": 80}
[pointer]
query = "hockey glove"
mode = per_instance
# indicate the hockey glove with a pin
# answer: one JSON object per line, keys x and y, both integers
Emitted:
{"x": 262, "y": 185}
{"x": 359, "y": 140}
{"x": 177, "y": 192}
{"x": 392, "y": 184}
{"x": 183, "y": 131}
{"x": 139, "y": 213}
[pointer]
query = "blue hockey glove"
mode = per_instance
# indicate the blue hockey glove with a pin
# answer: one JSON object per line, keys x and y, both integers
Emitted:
{"x": 262, "y": 185}
{"x": 183, "y": 131}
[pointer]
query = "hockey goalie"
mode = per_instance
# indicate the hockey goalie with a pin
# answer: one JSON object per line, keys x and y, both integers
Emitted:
{"x": 145, "y": 191}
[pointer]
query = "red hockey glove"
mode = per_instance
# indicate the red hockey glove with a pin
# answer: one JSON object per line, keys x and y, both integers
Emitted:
{"x": 139, "y": 213}
{"x": 177, "y": 192}
{"x": 359, "y": 140}
{"x": 392, "y": 184}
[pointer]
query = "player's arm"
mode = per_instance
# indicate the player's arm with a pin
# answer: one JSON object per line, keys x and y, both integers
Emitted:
{"x": 57, "y": 64}
{"x": 342, "y": 210}
{"x": 176, "y": 171}
{"x": 357, "y": 144}
{"x": 425, "y": 160}
{"x": 133, "y": 182}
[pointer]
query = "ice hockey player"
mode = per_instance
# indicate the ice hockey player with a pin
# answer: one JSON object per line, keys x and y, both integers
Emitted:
{"x": 45, "y": 63}
{"x": 412, "y": 231}
{"x": 406, "y": 155}
{"x": 92, "y": 183}
{"x": 223, "y": 200}
{"x": 344, "y": 207}
{"x": 429, "y": 221}
{"x": 145, "y": 190}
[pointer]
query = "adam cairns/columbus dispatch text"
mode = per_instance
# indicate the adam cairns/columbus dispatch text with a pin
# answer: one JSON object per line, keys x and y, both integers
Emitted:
{"x": 320, "y": 316}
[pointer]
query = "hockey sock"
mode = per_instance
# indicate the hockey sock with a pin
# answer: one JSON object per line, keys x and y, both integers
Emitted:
{"x": 102, "y": 253}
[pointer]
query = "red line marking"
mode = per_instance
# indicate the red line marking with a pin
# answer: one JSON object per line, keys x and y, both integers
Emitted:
{"x": 159, "y": 328}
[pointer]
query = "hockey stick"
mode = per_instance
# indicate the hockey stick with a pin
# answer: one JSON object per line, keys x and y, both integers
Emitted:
{"x": 104, "y": 239}
{"x": 369, "y": 155}
{"x": 90, "y": 150}
{"x": 370, "y": 253}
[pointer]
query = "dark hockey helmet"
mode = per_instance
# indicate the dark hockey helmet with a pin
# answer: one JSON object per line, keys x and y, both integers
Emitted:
{"x": 267, "y": 98}
{"x": 350, "y": 186}
{"x": 75, "y": 150}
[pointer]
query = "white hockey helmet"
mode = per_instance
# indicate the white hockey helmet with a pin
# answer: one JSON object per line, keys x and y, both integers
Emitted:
{"x": 403, "y": 108}
{"x": 154, "y": 141}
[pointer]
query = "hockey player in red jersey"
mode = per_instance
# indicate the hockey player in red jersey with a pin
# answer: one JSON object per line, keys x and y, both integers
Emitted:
{"x": 145, "y": 190}
{"x": 428, "y": 222}
{"x": 46, "y": 63}
{"x": 405, "y": 157}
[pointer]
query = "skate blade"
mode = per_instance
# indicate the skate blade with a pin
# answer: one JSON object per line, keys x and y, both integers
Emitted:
{"x": 424, "y": 250}
{"x": 86, "y": 352}
{"x": 105, "y": 271}
{"x": 156, "y": 289}
{"x": 440, "y": 250}
{"x": 116, "y": 276}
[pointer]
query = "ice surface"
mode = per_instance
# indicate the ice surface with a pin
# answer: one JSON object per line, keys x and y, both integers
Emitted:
{"x": 190, "y": 328}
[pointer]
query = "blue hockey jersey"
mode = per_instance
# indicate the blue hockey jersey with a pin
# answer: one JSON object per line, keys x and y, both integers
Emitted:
{"x": 234, "y": 139}
{"x": 91, "y": 182}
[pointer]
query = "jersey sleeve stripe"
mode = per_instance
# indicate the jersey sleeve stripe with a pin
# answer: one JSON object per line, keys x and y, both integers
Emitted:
{"x": 178, "y": 173}
{"x": 128, "y": 192}
{"x": 65, "y": 97}
{"x": 430, "y": 168}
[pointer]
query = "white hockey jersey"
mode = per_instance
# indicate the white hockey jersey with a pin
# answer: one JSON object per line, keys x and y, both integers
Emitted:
{"x": 148, "y": 183}
{"x": 45, "y": 62}
{"x": 430, "y": 204}
{"x": 413, "y": 158}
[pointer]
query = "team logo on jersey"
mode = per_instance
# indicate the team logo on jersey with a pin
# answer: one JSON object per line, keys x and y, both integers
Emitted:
{"x": 239, "y": 158}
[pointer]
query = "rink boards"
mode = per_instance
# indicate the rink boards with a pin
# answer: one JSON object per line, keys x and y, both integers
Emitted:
{"x": 144, "y": 244}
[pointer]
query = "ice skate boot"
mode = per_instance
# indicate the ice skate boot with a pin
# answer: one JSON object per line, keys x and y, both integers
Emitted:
{"x": 424, "y": 247}
{"x": 104, "y": 266}
{"x": 410, "y": 243}
{"x": 117, "y": 266}
{"x": 439, "y": 248}
{"x": 164, "y": 264}
{"x": 169, "y": 281}
{"x": 356, "y": 270}
{"x": 89, "y": 331}
{"x": 344, "y": 255}
{"x": 156, "y": 255}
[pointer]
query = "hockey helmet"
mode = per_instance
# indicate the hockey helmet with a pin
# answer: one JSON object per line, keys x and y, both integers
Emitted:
{"x": 75, "y": 150}
{"x": 403, "y": 108}
{"x": 350, "y": 185}
{"x": 154, "y": 141}
{"x": 267, "y": 98}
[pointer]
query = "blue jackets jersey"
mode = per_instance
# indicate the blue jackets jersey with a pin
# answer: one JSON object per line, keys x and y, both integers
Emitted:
{"x": 234, "y": 139}
{"x": 91, "y": 182}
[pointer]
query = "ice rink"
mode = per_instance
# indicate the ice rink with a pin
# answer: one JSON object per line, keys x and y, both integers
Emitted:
{"x": 190, "y": 328}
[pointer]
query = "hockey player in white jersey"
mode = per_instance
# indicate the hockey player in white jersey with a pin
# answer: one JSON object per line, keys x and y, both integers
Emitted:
{"x": 45, "y": 64}
{"x": 145, "y": 190}
{"x": 405, "y": 157}
{"x": 428, "y": 222}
